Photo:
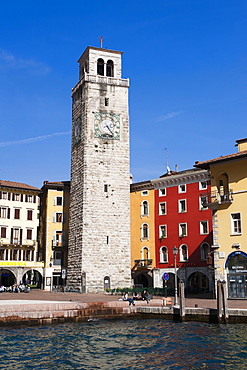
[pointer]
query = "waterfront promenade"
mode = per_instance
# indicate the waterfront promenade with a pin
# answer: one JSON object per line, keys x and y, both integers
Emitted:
{"x": 41, "y": 295}
{"x": 40, "y": 308}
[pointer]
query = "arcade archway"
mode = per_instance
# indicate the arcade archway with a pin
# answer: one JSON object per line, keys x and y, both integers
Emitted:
{"x": 33, "y": 278}
{"x": 198, "y": 283}
{"x": 7, "y": 278}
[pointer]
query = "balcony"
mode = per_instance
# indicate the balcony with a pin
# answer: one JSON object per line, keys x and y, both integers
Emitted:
{"x": 101, "y": 79}
{"x": 146, "y": 263}
{"x": 213, "y": 199}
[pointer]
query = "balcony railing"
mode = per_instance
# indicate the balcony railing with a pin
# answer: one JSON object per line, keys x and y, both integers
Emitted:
{"x": 214, "y": 198}
{"x": 145, "y": 263}
{"x": 102, "y": 79}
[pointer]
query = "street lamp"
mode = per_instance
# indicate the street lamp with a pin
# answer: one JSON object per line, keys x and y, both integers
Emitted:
{"x": 175, "y": 252}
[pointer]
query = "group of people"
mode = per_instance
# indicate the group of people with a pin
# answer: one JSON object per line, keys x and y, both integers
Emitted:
{"x": 16, "y": 288}
{"x": 137, "y": 297}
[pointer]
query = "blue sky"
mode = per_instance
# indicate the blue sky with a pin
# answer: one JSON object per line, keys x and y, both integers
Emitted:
{"x": 186, "y": 61}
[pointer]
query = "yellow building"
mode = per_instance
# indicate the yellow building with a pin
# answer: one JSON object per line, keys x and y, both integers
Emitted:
{"x": 54, "y": 228}
{"x": 19, "y": 220}
{"x": 228, "y": 200}
{"x": 142, "y": 233}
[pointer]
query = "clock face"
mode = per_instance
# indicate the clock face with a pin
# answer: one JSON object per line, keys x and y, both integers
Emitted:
{"x": 107, "y": 125}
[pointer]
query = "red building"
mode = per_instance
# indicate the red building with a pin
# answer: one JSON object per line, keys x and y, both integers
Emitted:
{"x": 181, "y": 220}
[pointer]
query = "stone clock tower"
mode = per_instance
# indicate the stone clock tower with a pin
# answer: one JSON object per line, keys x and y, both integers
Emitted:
{"x": 99, "y": 237}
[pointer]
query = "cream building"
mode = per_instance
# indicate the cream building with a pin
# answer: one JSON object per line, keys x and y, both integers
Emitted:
{"x": 19, "y": 220}
{"x": 54, "y": 232}
{"x": 228, "y": 200}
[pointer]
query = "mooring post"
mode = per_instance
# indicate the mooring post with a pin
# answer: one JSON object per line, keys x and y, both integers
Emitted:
{"x": 219, "y": 301}
{"x": 181, "y": 300}
{"x": 224, "y": 301}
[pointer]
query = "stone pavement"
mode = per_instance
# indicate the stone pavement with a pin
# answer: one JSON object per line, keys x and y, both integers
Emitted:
{"x": 41, "y": 295}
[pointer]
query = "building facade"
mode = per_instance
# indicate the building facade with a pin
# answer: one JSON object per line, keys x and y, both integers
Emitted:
{"x": 99, "y": 241}
{"x": 19, "y": 220}
{"x": 142, "y": 233}
{"x": 183, "y": 221}
{"x": 54, "y": 232}
{"x": 228, "y": 199}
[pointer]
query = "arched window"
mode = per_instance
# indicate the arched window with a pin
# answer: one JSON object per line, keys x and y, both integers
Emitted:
{"x": 145, "y": 253}
{"x": 183, "y": 253}
{"x": 144, "y": 208}
{"x": 145, "y": 231}
{"x": 163, "y": 255}
{"x": 223, "y": 187}
{"x": 109, "y": 69}
{"x": 100, "y": 67}
{"x": 204, "y": 251}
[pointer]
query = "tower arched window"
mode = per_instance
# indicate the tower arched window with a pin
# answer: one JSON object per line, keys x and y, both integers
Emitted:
{"x": 100, "y": 67}
{"x": 145, "y": 231}
{"x": 163, "y": 254}
{"x": 109, "y": 69}
{"x": 144, "y": 208}
{"x": 183, "y": 253}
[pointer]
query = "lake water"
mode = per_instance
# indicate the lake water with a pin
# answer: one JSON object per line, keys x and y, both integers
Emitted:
{"x": 125, "y": 344}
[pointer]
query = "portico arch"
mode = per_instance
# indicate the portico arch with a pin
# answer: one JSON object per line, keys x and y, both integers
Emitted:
{"x": 7, "y": 277}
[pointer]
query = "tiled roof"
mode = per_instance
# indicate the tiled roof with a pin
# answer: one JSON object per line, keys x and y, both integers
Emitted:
{"x": 18, "y": 185}
{"x": 233, "y": 156}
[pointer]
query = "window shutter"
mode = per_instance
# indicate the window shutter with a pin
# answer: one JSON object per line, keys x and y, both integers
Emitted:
{"x": 0, "y": 195}
{"x": 9, "y": 196}
{"x": 54, "y": 217}
{"x": 11, "y": 235}
{"x": 8, "y": 213}
{"x": 64, "y": 218}
{"x": 21, "y": 197}
{"x": 26, "y": 198}
{"x": 34, "y": 198}
{"x": 13, "y": 196}
{"x": 20, "y": 236}
{"x": 55, "y": 201}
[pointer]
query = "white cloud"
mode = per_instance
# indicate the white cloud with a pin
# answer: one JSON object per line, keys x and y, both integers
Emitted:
{"x": 33, "y": 139}
{"x": 167, "y": 116}
{"x": 9, "y": 61}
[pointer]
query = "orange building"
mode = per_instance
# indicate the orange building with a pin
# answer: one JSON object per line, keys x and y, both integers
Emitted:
{"x": 142, "y": 233}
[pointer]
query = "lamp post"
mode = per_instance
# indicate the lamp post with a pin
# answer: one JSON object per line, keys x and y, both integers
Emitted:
{"x": 175, "y": 252}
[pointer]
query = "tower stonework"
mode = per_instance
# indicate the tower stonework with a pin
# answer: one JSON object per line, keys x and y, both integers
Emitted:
{"x": 99, "y": 236}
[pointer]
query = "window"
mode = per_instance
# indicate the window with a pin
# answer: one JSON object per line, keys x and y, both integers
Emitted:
{"x": 145, "y": 231}
{"x": 236, "y": 223}
{"x": 4, "y": 212}
{"x": 204, "y": 251}
{"x": 162, "y": 232}
{"x": 2, "y": 254}
{"x": 163, "y": 255}
{"x": 144, "y": 192}
{"x": 203, "y": 185}
{"x": 29, "y": 234}
{"x": 109, "y": 68}
{"x": 16, "y": 235}
{"x": 28, "y": 255}
{"x": 100, "y": 67}
{"x": 29, "y": 214}
{"x": 182, "y": 230}
{"x": 29, "y": 198}
{"x": 203, "y": 227}
{"x": 58, "y": 238}
{"x": 16, "y": 213}
{"x": 182, "y": 188}
{"x": 203, "y": 200}
{"x": 105, "y": 188}
{"x": 182, "y": 205}
{"x": 106, "y": 102}
{"x": 3, "y": 232}
{"x": 16, "y": 197}
{"x": 58, "y": 201}
{"x": 144, "y": 210}
{"x": 145, "y": 253}
{"x": 162, "y": 208}
{"x": 183, "y": 253}
{"x": 57, "y": 217}
{"x": 57, "y": 257}
{"x": 4, "y": 195}
{"x": 162, "y": 192}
